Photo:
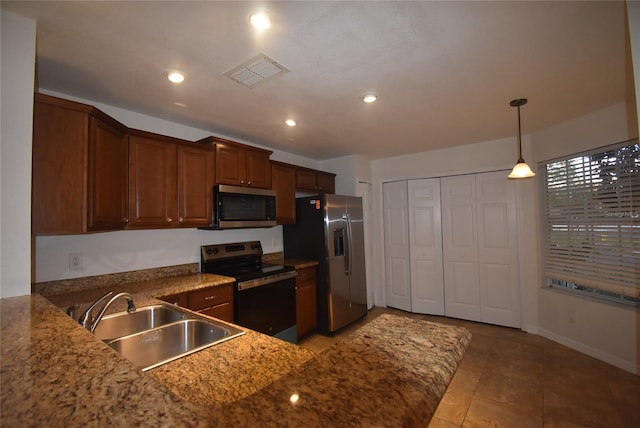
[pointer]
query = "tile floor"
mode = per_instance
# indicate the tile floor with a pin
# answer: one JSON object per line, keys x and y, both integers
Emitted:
{"x": 509, "y": 378}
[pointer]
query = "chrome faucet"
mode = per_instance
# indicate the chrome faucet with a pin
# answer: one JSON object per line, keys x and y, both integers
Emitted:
{"x": 90, "y": 323}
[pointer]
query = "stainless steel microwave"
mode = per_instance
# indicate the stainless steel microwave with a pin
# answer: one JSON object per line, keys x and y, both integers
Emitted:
{"x": 243, "y": 207}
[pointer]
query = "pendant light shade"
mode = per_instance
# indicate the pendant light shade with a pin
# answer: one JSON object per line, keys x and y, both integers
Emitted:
{"x": 521, "y": 170}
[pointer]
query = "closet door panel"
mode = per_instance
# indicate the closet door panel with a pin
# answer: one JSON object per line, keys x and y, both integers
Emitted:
{"x": 425, "y": 239}
{"x": 460, "y": 248}
{"x": 396, "y": 245}
{"x": 498, "y": 250}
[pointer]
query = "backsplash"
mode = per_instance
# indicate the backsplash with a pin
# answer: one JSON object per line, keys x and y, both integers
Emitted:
{"x": 99, "y": 281}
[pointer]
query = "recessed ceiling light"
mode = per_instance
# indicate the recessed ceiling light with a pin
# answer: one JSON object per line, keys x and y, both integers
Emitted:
{"x": 260, "y": 20}
{"x": 290, "y": 122}
{"x": 369, "y": 97}
{"x": 175, "y": 76}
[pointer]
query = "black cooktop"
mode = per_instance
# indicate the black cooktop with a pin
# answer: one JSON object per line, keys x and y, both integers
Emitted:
{"x": 238, "y": 260}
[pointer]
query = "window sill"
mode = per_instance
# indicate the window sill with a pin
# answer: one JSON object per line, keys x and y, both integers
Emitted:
{"x": 589, "y": 296}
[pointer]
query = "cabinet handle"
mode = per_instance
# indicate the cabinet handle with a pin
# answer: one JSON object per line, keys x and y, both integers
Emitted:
{"x": 210, "y": 297}
{"x": 241, "y": 181}
{"x": 181, "y": 219}
{"x": 126, "y": 220}
{"x": 249, "y": 183}
{"x": 169, "y": 219}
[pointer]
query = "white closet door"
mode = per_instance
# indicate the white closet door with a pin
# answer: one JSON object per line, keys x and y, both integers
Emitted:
{"x": 425, "y": 239}
{"x": 396, "y": 245}
{"x": 460, "y": 248}
{"x": 498, "y": 249}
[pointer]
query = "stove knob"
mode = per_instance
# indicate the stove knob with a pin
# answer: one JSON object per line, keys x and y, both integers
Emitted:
{"x": 255, "y": 247}
{"x": 212, "y": 251}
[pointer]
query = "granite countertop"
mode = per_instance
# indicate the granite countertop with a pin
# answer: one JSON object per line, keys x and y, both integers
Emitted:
{"x": 56, "y": 373}
{"x": 203, "y": 377}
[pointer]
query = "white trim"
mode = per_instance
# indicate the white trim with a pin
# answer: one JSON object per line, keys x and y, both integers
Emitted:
{"x": 630, "y": 366}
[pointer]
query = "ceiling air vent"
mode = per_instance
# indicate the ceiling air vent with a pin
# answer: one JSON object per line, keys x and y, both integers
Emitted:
{"x": 256, "y": 71}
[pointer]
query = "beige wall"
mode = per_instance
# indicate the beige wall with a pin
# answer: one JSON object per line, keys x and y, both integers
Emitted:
{"x": 18, "y": 70}
{"x": 604, "y": 331}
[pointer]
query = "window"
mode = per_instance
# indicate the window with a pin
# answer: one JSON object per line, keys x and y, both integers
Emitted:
{"x": 591, "y": 215}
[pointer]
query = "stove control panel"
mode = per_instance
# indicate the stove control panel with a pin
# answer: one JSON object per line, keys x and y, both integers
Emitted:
{"x": 224, "y": 251}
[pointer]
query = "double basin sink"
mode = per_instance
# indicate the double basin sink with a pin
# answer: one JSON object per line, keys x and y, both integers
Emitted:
{"x": 157, "y": 334}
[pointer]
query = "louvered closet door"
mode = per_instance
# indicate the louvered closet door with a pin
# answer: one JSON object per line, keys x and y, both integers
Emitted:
{"x": 425, "y": 239}
{"x": 460, "y": 248}
{"x": 498, "y": 272}
{"x": 396, "y": 245}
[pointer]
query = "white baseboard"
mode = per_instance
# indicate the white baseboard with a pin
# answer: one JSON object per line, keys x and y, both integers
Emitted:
{"x": 630, "y": 366}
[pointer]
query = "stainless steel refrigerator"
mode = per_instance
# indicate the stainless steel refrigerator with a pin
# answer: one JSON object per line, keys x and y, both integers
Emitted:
{"x": 329, "y": 229}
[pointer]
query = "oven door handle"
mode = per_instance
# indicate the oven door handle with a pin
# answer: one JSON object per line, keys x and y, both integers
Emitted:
{"x": 266, "y": 280}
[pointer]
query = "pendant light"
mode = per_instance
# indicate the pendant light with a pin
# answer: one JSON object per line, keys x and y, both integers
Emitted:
{"x": 521, "y": 170}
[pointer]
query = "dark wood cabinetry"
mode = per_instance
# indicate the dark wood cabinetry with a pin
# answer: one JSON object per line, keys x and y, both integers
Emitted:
{"x": 92, "y": 173}
{"x": 195, "y": 185}
{"x": 284, "y": 184}
{"x": 306, "y": 312}
{"x": 315, "y": 181}
{"x": 79, "y": 169}
{"x": 240, "y": 165}
{"x": 215, "y": 301}
{"x": 170, "y": 181}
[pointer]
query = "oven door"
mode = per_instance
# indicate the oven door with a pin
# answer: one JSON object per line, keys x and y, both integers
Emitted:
{"x": 268, "y": 305}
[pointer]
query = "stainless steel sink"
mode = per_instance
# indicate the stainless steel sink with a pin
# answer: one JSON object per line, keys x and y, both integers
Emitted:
{"x": 158, "y": 346}
{"x": 124, "y": 323}
{"x": 155, "y": 335}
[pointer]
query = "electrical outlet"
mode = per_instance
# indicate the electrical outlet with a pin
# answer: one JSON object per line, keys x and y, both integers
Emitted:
{"x": 75, "y": 261}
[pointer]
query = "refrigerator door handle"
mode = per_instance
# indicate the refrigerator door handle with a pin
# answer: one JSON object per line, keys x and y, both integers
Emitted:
{"x": 348, "y": 261}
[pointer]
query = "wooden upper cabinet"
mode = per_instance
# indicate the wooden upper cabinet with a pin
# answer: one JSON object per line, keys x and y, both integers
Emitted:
{"x": 240, "y": 165}
{"x": 79, "y": 168}
{"x": 152, "y": 181}
{"x": 315, "y": 181}
{"x": 108, "y": 180}
{"x": 170, "y": 182}
{"x": 284, "y": 184}
{"x": 195, "y": 185}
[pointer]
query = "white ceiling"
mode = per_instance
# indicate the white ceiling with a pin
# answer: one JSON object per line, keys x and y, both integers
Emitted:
{"x": 445, "y": 71}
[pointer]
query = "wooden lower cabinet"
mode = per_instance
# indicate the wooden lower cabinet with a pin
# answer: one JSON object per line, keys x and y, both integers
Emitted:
{"x": 215, "y": 301}
{"x": 306, "y": 312}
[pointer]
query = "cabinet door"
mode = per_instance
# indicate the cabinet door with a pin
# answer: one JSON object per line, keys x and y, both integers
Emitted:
{"x": 108, "y": 177}
{"x": 284, "y": 184}
{"x": 230, "y": 165}
{"x": 306, "y": 315}
{"x": 176, "y": 299}
{"x": 59, "y": 167}
{"x": 305, "y": 180}
{"x": 223, "y": 311}
{"x": 195, "y": 186}
{"x": 258, "y": 170}
{"x": 326, "y": 183}
{"x": 152, "y": 182}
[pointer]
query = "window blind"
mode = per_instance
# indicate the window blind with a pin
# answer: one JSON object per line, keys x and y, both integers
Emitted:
{"x": 592, "y": 219}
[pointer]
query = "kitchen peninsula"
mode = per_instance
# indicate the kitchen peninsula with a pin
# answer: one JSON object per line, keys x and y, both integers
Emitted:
{"x": 392, "y": 372}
